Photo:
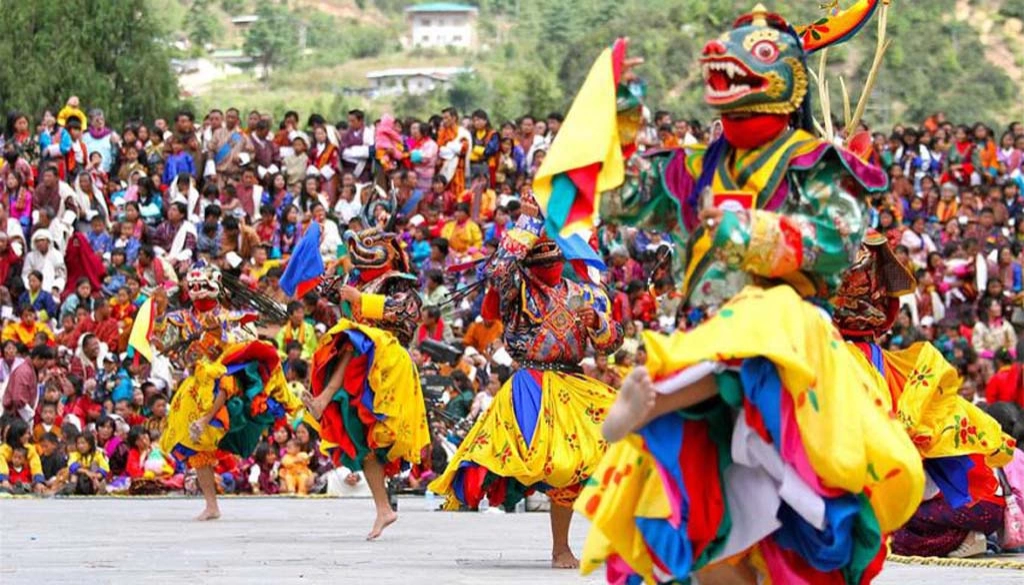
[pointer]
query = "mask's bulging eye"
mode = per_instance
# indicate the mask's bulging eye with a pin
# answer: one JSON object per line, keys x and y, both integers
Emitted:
{"x": 766, "y": 51}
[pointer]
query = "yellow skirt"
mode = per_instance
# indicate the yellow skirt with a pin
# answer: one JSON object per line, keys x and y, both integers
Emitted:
{"x": 380, "y": 407}
{"x": 258, "y": 396}
{"x": 543, "y": 431}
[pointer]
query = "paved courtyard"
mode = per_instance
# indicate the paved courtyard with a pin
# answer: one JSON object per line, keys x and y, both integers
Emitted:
{"x": 263, "y": 540}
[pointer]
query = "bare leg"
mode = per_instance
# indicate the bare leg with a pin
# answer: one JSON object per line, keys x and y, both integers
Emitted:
{"x": 561, "y": 554}
{"x": 208, "y": 485}
{"x": 638, "y": 403}
{"x": 374, "y": 473}
{"x": 316, "y": 405}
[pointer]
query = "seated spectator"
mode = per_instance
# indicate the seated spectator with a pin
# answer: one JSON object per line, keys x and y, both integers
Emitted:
{"x": 299, "y": 330}
{"x": 18, "y": 437}
{"x": 47, "y": 422}
{"x": 51, "y": 457}
{"x": 26, "y": 329}
{"x": 46, "y": 260}
{"x": 462, "y": 233}
{"x": 88, "y": 470}
{"x": 462, "y": 395}
{"x": 40, "y": 300}
{"x": 433, "y": 327}
{"x": 1006, "y": 385}
{"x": 482, "y": 333}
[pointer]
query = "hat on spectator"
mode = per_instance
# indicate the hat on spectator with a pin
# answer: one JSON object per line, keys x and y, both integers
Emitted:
{"x": 927, "y": 321}
{"x": 42, "y": 234}
{"x": 298, "y": 134}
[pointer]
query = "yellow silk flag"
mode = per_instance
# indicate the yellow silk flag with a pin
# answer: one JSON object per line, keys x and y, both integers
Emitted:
{"x": 586, "y": 156}
{"x": 142, "y": 328}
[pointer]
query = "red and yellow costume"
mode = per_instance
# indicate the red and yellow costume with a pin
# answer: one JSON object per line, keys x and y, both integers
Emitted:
{"x": 224, "y": 357}
{"x": 543, "y": 429}
{"x": 380, "y": 408}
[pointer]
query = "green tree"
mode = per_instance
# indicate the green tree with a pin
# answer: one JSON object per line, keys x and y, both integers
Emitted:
{"x": 203, "y": 26}
{"x": 468, "y": 92}
{"x": 110, "y": 54}
{"x": 273, "y": 40}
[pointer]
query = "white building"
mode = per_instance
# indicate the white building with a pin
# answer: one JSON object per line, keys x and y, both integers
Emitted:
{"x": 442, "y": 24}
{"x": 388, "y": 82}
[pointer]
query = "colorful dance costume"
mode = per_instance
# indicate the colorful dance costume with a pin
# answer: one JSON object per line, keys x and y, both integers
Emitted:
{"x": 225, "y": 357}
{"x": 542, "y": 432}
{"x": 380, "y": 407}
{"x": 957, "y": 441}
{"x": 793, "y": 469}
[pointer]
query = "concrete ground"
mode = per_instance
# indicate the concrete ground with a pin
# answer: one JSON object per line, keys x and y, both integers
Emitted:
{"x": 278, "y": 540}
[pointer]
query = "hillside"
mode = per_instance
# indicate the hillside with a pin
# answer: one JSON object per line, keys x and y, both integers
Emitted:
{"x": 969, "y": 62}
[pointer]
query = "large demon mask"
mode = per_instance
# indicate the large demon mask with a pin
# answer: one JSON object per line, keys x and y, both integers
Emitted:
{"x": 203, "y": 281}
{"x": 759, "y": 67}
{"x": 377, "y": 247}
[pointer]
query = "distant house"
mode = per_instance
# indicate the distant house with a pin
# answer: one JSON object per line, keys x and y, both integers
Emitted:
{"x": 390, "y": 82}
{"x": 442, "y": 24}
{"x": 244, "y": 21}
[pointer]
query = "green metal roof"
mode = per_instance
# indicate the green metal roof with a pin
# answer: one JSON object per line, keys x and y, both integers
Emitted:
{"x": 441, "y": 7}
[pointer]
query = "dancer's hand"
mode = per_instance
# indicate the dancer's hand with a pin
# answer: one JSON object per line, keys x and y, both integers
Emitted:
{"x": 349, "y": 293}
{"x": 195, "y": 430}
{"x": 711, "y": 217}
{"x": 588, "y": 316}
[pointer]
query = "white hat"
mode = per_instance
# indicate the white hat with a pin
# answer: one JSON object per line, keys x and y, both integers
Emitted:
{"x": 294, "y": 134}
{"x": 927, "y": 321}
{"x": 42, "y": 234}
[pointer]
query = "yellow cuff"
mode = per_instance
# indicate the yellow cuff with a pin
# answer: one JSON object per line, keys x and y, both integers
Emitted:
{"x": 372, "y": 306}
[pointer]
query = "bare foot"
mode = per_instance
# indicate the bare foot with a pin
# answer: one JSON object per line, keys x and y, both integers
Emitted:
{"x": 635, "y": 401}
{"x": 208, "y": 514}
{"x": 382, "y": 522}
{"x": 564, "y": 559}
{"x": 315, "y": 405}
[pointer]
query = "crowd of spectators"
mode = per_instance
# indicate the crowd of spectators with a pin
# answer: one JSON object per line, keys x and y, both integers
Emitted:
{"x": 95, "y": 221}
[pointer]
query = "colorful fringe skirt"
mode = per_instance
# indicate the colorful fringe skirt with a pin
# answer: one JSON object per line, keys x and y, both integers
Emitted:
{"x": 542, "y": 432}
{"x": 795, "y": 470}
{"x": 379, "y": 409}
{"x": 258, "y": 396}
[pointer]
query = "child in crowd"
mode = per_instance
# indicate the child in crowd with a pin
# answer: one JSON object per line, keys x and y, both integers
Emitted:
{"x": 295, "y": 473}
{"x": 47, "y": 423}
{"x": 52, "y": 458}
{"x": 279, "y": 439}
{"x": 88, "y": 470}
{"x": 157, "y": 406}
{"x": 178, "y": 162}
{"x": 18, "y": 474}
{"x": 263, "y": 470}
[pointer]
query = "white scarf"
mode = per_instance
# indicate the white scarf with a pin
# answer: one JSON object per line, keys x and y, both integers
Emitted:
{"x": 178, "y": 251}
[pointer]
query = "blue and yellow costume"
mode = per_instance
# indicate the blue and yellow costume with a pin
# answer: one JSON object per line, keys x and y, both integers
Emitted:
{"x": 542, "y": 432}
{"x": 224, "y": 356}
{"x": 797, "y": 467}
{"x": 380, "y": 408}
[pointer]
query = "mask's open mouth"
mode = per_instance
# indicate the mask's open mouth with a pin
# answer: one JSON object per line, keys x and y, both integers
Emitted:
{"x": 727, "y": 79}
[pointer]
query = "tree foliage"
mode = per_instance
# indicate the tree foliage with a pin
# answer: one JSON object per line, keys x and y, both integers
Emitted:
{"x": 933, "y": 64}
{"x": 111, "y": 54}
{"x": 273, "y": 40}
{"x": 203, "y": 26}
